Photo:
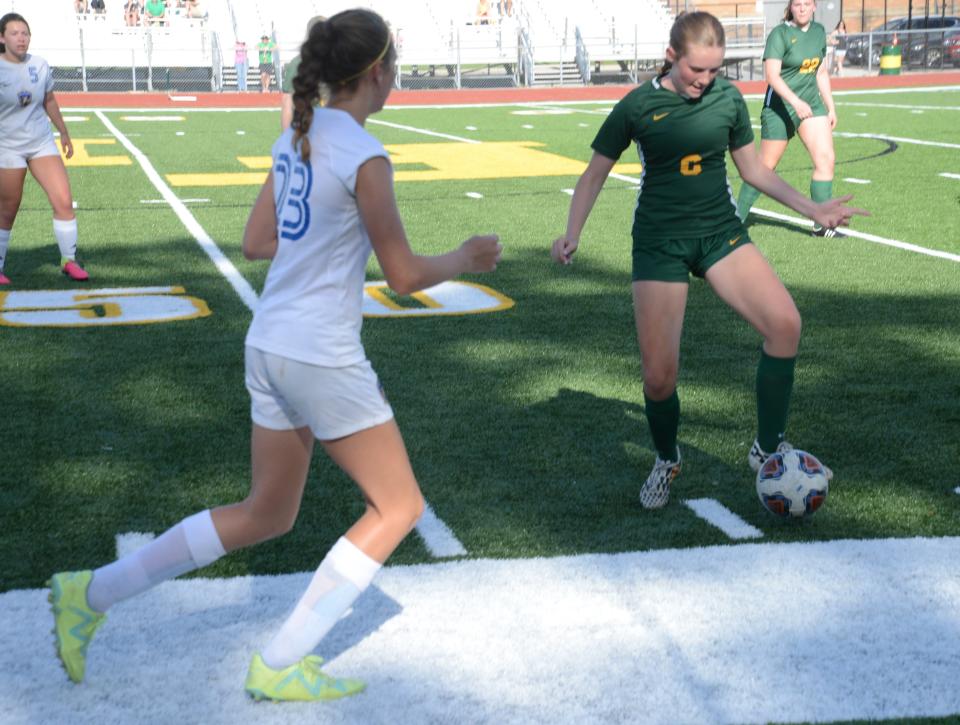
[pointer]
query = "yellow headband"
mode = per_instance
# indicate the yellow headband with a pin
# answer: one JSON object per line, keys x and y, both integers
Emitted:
{"x": 372, "y": 63}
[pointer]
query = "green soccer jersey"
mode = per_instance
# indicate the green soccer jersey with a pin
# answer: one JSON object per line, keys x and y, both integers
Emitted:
{"x": 684, "y": 192}
{"x": 801, "y": 52}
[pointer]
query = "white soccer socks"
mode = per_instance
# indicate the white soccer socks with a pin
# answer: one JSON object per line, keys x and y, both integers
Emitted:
{"x": 66, "y": 233}
{"x": 342, "y": 575}
{"x": 191, "y": 544}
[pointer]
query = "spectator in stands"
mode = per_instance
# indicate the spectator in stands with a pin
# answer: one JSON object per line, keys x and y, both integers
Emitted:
{"x": 195, "y": 10}
{"x": 98, "y": 6}
{"x": 27, "y": 108}
{"x": 289, "y": 73}
{"x": 837, "y": 48}
{"x": 155, "y": 12}
{"x": 265, "y": 50}
{"x": 483, "y": 12}
{"x": 240, "y": 62}
{"x": 131, "y": 13}
{"x": 81, "y": 7}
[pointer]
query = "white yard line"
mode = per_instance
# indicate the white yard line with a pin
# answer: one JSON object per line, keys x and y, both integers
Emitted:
{"x": 898, "y": 139}
{"x": 905, "y": 106}
{"x": 739, "y": 633}
{"x": 862, "y": 235}
{"x": 437, "y": 536}
{"x": 219, "y": 259}
{"x": 131, "y": 541}
{"x": 947, "y": 175}
{"x": 424, "y": 131}
{"x": 716, "y": 514}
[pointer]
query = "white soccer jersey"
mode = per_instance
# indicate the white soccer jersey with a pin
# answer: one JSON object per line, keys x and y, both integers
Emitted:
{"x": 310, "y": 309}
{"x": 23, "y": 87}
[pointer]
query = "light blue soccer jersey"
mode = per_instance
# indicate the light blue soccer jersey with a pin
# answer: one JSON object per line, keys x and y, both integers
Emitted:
{"x": 23, "y": 87}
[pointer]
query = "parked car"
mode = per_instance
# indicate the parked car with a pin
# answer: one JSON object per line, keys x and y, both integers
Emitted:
{"x": 917, "y": 48}
{"x": 951, "y": 48}
{"x": 926, "y": 49}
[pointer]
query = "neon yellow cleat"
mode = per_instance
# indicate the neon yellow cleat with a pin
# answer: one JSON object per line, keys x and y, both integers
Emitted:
{"x": 300, "y": 681}
{"x": 74, "y": 620}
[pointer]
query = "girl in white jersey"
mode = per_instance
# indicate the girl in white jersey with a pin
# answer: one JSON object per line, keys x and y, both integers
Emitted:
{"x": 328, "y": 198}
{"x": 26, "y": 104}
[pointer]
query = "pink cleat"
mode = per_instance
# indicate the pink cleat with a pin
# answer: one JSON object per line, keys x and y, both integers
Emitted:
{"x": 74, "y": 271}
{"x": 4, "y": 279}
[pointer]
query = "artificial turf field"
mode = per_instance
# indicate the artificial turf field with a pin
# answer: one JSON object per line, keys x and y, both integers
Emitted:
{"x": 525, "y": 425}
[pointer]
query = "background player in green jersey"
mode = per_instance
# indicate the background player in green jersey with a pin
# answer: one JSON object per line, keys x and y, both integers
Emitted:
{"x": 685, "y": 221}
{"x": 798, "y": 101}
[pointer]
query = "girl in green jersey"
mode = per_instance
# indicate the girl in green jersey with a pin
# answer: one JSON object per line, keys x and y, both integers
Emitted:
{"x": 683, "y": 122}
{"x": 798, "y": 101}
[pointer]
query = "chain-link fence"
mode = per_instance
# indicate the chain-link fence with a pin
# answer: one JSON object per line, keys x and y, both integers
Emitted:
{"x": 147, "y": 59}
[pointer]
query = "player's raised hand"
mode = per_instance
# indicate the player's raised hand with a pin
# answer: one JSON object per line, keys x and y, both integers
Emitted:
{"x": 482, "y": 252}
{"x": 836, "y": 213}
{"x": 563, "y": 250}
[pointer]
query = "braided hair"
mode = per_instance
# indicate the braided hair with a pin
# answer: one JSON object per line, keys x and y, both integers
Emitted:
{"x": 6, "y": 20}
{"x": 338, "y": 52}
{"x": 695, "y": 28}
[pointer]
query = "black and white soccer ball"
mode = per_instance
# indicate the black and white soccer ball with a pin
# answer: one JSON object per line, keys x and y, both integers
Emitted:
{"x": 792, "y": 483}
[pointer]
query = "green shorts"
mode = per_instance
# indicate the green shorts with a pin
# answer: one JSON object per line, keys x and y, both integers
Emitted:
{"x": 674, "y": 260}
{"x": 779, "y": 122}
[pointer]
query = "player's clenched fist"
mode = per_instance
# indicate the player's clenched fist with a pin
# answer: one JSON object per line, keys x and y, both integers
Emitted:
{"x": 482, "y": 252}
{"x": 563, "y": 249}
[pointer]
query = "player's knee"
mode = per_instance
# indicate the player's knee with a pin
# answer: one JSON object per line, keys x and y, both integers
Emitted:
{"x": 263, "y": 524}
{"x": 659, "y": 382}
{"x": 786, "y": 327}
{"x": 825, "y": 160}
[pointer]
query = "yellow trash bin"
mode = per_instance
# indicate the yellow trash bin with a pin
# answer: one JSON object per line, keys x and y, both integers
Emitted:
{"x": 890, "y": 60}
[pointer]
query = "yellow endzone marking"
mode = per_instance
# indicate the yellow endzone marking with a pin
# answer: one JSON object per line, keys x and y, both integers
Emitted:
{"x": 446, "y": 162}
{"x": 81, "y": 156}
{"x": 380, "y": 297}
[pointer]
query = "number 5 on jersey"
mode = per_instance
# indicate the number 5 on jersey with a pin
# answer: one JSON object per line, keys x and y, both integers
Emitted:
{"x": 295, "y": 179}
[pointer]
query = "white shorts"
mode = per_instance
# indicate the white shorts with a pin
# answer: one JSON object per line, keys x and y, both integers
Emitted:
{"x": 18, "y": 158}
{"x": 334, "y": 402}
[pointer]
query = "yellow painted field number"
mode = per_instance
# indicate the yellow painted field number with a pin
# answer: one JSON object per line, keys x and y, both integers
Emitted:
{"x": 447, "y": 298}
{"x": 111, "y": 306}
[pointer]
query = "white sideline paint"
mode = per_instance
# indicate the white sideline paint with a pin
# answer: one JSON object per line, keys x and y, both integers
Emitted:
{"x": 900, "y": 105}
{"x": 957, "y": 490}
{"x": 424, "y": 131}
{"x": 898, "y": 139}
{"x": 219, "y": 259}
{"x": 862, "y": 235}
{"x": 857, "y": 181}
{"x": 569, "y": 192}
{"x": 76, "y": 119}
{"x": 131, "y": 541}
{"x": 715, "y": 513}
{"x": 164, "y": 201}
{"x": 437, "y": 536}
{"x": 153, "y": 118}
{"x": 950, "y": 176}
{"x": 474, "y": 194}
{"x": 827, "y": 631}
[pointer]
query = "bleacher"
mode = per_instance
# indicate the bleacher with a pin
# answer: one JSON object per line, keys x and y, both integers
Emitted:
{"x": 440, "y": 44}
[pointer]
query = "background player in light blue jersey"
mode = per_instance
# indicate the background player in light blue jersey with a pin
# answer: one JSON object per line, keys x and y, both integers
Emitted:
{"x": 26, "y": 142}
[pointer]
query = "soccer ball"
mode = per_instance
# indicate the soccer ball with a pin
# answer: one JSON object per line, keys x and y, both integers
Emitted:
{"x": 792, "y": 483}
